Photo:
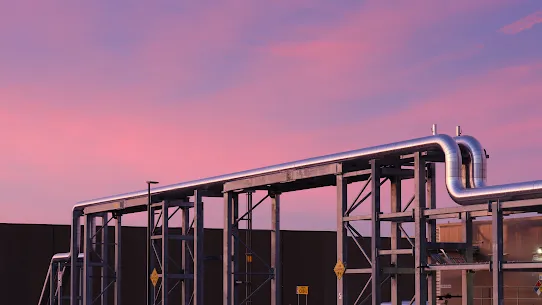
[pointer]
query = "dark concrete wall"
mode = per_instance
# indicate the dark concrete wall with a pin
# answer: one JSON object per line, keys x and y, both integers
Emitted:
{"x": 308, "y": 258}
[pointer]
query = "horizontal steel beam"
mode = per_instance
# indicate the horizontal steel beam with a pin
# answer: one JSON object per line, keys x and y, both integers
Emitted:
{"x": 362, "y": 172}
{"x": 475, "y": 266}
{"x": 174, "y": 203}
{"x": 522, "y": 266}
{"x": 508, "y": 266}
{"x": 282, "y": 177}
{"x": 446, "y": 246}
{"x": 397, "y": 251}
{"x": 139, "y": 204}
{"x": 396, "y": 217}
{"x": 385, "y": 270}
{"x": 384, "y": 172}
{"x": 178, "y": 276}
{"x": 456, "y": 210}
{"x": 174, "y": 237}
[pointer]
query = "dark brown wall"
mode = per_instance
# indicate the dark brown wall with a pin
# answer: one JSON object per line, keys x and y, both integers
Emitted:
{"x": 521, "y": 237}
{"x": 308, "y": 259}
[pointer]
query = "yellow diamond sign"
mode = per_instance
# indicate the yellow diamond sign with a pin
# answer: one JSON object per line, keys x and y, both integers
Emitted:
{"x": 339, "y": 269}
{"x": 154, "y": 277}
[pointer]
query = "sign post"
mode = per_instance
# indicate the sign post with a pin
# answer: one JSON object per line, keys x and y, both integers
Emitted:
{"x": 302, "y": 290}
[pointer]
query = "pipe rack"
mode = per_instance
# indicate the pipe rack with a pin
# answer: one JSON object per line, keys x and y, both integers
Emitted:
{"x": 465, "y": 179}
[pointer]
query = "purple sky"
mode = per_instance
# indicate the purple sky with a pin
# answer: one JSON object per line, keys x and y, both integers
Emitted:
{"x": 96, "y": 98}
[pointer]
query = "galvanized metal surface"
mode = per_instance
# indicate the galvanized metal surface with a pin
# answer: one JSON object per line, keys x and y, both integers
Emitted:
{"x": 443, "y": 143}
{"x": 471, "y": 192}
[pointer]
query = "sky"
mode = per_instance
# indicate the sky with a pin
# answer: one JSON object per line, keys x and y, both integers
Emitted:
{"x": 97, "y": 97}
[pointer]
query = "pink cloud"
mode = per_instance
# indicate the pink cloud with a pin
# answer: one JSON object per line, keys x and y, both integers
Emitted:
{"x": 356, "y": 56}
{"x": 72, "y": 136}
{"x": 522, "y": 24}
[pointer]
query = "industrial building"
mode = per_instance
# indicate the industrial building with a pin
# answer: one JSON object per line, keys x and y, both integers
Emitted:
{"x": 308, "y": 260}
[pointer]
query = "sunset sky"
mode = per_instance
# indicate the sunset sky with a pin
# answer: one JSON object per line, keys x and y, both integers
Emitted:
{"x": 97, "y": 97}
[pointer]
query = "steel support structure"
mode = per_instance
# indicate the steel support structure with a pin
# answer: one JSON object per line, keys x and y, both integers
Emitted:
{"x": 168, "y": 272}
{"x": 248, "y": 250}
{"x": 101, "y": 257}
{"x": 378, "y": 175}
{"x": 424, "y": 213}
{"x": 414, "y": 159}
{"x": 59, "y": 266}
{"x": 431, "y": 200}
{"x": 497, "y": 255}
{"x": 97, "y": 262}
{"x": 420, "y": 238}
{"x": 232, "y": 276}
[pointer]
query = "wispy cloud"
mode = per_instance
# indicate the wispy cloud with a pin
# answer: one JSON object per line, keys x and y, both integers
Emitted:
{"x": 182, "y": 91}
{"x": 522, "y": 24}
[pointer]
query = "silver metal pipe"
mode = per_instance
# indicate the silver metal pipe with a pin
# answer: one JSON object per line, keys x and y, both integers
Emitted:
{"x": 478, "y": 160}
{"x": 441, "y": 142}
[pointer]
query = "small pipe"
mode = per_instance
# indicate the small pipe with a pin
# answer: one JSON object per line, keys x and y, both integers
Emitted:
{"x": 434, "y": 129}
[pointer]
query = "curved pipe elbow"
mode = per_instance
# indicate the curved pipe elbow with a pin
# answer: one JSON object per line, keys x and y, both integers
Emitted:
{"x": 479, "y": 191}
{"x": 477, "y": 167}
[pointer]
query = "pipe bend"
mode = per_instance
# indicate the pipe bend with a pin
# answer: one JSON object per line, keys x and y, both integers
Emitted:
{"x": 478, "y": 160}
{"x": 480, "y": 192}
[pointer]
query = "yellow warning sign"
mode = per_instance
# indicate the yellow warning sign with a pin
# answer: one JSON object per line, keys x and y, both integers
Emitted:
{"x": 339, "y": 269}
{"x": 154, "y": 277}
{"x": 302, "y": 290}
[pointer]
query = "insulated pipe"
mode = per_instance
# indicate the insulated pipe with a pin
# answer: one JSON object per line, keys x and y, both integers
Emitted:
{"x": 478, "y": 162}
{"x": 442, "y": 142}
{"x": 437, "y": 142}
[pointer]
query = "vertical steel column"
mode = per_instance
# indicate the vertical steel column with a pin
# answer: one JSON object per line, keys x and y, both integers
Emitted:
{"x": 375, "y": 228}
{"x": 105, "y": 259}
{"x": 227, "y": 249}
{"x": 395, "y": 236}
{"x": 235, "y": 253}
{"x": 165, "y": 252}
{"x": 342, "y": 236}
{"x": 90, "y": 226}
{"x": 420, "y": 253}
{"x": 276, "y": 265}
{"x": 467, "y": 280}
{"x": 59, "y": 283}
{"x": 150, "y": 226}
{"x": 432, "y": 230}
{"x": 118, "y": 277}
{"x": 75, "y": 273}
{"x": 152, "y": 257}
{"x": 497, "y": 249}
{"x": 186, "y": 291}
{"x": 198, "y": 249}
{"x": 52, "y": 276}
{"x": 248, "y": 251}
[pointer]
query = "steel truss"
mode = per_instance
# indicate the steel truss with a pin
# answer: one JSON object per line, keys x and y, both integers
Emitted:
{"x": 414, "y": 159}
{"x": 232, "y": 240}
{"x": 97, "y": 263}
{"x": 185, "y": 272}
{"x": 59, "y": 266}
{"x": 172, "y": 272}
{"x": 424, "y": 215}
